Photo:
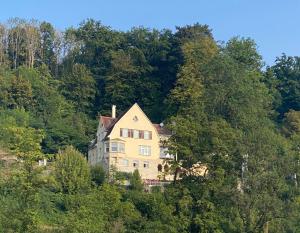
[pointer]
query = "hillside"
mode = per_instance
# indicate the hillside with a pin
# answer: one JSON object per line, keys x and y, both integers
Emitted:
{"x": 223, "y": 106}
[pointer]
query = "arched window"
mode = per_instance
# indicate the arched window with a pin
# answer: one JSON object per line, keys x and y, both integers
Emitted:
{"x": 159, "y": 167}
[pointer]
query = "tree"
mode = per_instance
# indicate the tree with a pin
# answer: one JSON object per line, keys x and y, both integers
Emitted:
{"x": 71, "y": 171}
{"x": 47, "y": 44}
{"x": 20, "y": 93}
{"x": 98, "y": 174}
{"x": 32, "y": 41}
{"x": 136, "y": 181}
{"x": 78, "y": 86}
{"x": 285, "y": 78}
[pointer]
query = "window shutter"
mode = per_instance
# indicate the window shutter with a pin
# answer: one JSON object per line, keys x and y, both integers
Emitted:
{"x": 150, "y": 135}
{"x": 121, "y": 132}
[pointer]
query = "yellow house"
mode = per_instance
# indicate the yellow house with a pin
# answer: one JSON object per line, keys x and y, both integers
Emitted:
{"x": 128, "y": 142}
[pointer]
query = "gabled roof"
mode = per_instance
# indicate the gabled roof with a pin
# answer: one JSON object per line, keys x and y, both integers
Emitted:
{"x": 109, "y": 123}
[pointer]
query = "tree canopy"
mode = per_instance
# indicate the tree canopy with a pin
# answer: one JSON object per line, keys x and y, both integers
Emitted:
{"x": 225, "y": 109}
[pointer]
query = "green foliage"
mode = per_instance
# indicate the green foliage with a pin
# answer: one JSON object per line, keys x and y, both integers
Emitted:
{"x": 225, "y": 112}
{"x": 98, "y": 174}
{"x": 136, "y": 181}
{"x": 78, "y": 86}
{"x": 71, "y": 171}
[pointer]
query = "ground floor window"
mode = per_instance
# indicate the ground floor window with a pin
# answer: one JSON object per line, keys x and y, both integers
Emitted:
{"x": 135, "y": 163}
{"x": 125, "y": 162}
{"x": 146, "y": 164}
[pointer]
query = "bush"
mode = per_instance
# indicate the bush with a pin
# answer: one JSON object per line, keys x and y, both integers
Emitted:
{"x": 72, "y": 171}
{"x": 98, "y": 174}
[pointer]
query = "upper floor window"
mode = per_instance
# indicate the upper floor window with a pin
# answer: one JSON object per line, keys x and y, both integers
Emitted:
{"x": 147, "y": 135}
{"x": 134, "y": 133}
{"x": 145, "y": 150}
{"x": 124, "y": 133}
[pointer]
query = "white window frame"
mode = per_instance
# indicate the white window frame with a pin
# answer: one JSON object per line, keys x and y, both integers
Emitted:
{"x": 144, "y": 150}
{"x": 136, "y": 134}
{"x": 148, "y": 135}
{"x": 114, "y": 145}
{"x": 125, "y": 132}
{"x": 119, "y": 147}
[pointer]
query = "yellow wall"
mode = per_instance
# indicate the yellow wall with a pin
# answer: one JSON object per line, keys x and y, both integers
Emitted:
{"x": 132, "y": 144}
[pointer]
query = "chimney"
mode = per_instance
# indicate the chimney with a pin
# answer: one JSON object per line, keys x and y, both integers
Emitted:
{"x": 113, "y": 111}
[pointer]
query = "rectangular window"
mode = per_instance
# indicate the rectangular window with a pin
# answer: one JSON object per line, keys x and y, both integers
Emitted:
{"x": 136, "y": 134}
{"x": 135, "y": 163}
{"x": 146, "y": 135}
{"x": 124, "y": 133}
{"x": 146, "y": 164}
{"x": 107, "y": 147}
{"x": 145, "y": 150}
{"x": 125, "y": 162}
{"x": 117, "y": 147}
{"x": 114, "y": 147}
{"x": 121, "y": 147}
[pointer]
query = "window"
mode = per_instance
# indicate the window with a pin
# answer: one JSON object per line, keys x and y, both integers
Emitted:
{"x": 125, "y": 162}
{"x": 114, "y": 147}
{"x": 117, "y": 147}
{"x": 145, "y": 150}
{"x": 146, "y": 135}
{"x": 124, "y": 133}
{"x": 136, "y": 133}
{"x": 135, "y": 118}
{"x": 146, "y": 164}
{"x": 135, "y": 163}
{"x": 107, "y": 147}
{"x": 121, "y": 147}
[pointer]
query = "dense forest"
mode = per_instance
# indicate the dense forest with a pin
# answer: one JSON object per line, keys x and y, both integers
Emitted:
{"x": 224, "y": 106}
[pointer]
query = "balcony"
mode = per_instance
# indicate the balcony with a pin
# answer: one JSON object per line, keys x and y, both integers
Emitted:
{"x": 164, "y": 154}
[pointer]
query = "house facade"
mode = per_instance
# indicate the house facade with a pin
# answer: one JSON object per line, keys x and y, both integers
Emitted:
{"x": 129, "y": 142}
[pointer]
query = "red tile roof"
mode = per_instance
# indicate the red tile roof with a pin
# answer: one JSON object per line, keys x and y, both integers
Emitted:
{"x": 162, "y": 130}
{"x": 107, "y": 121}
